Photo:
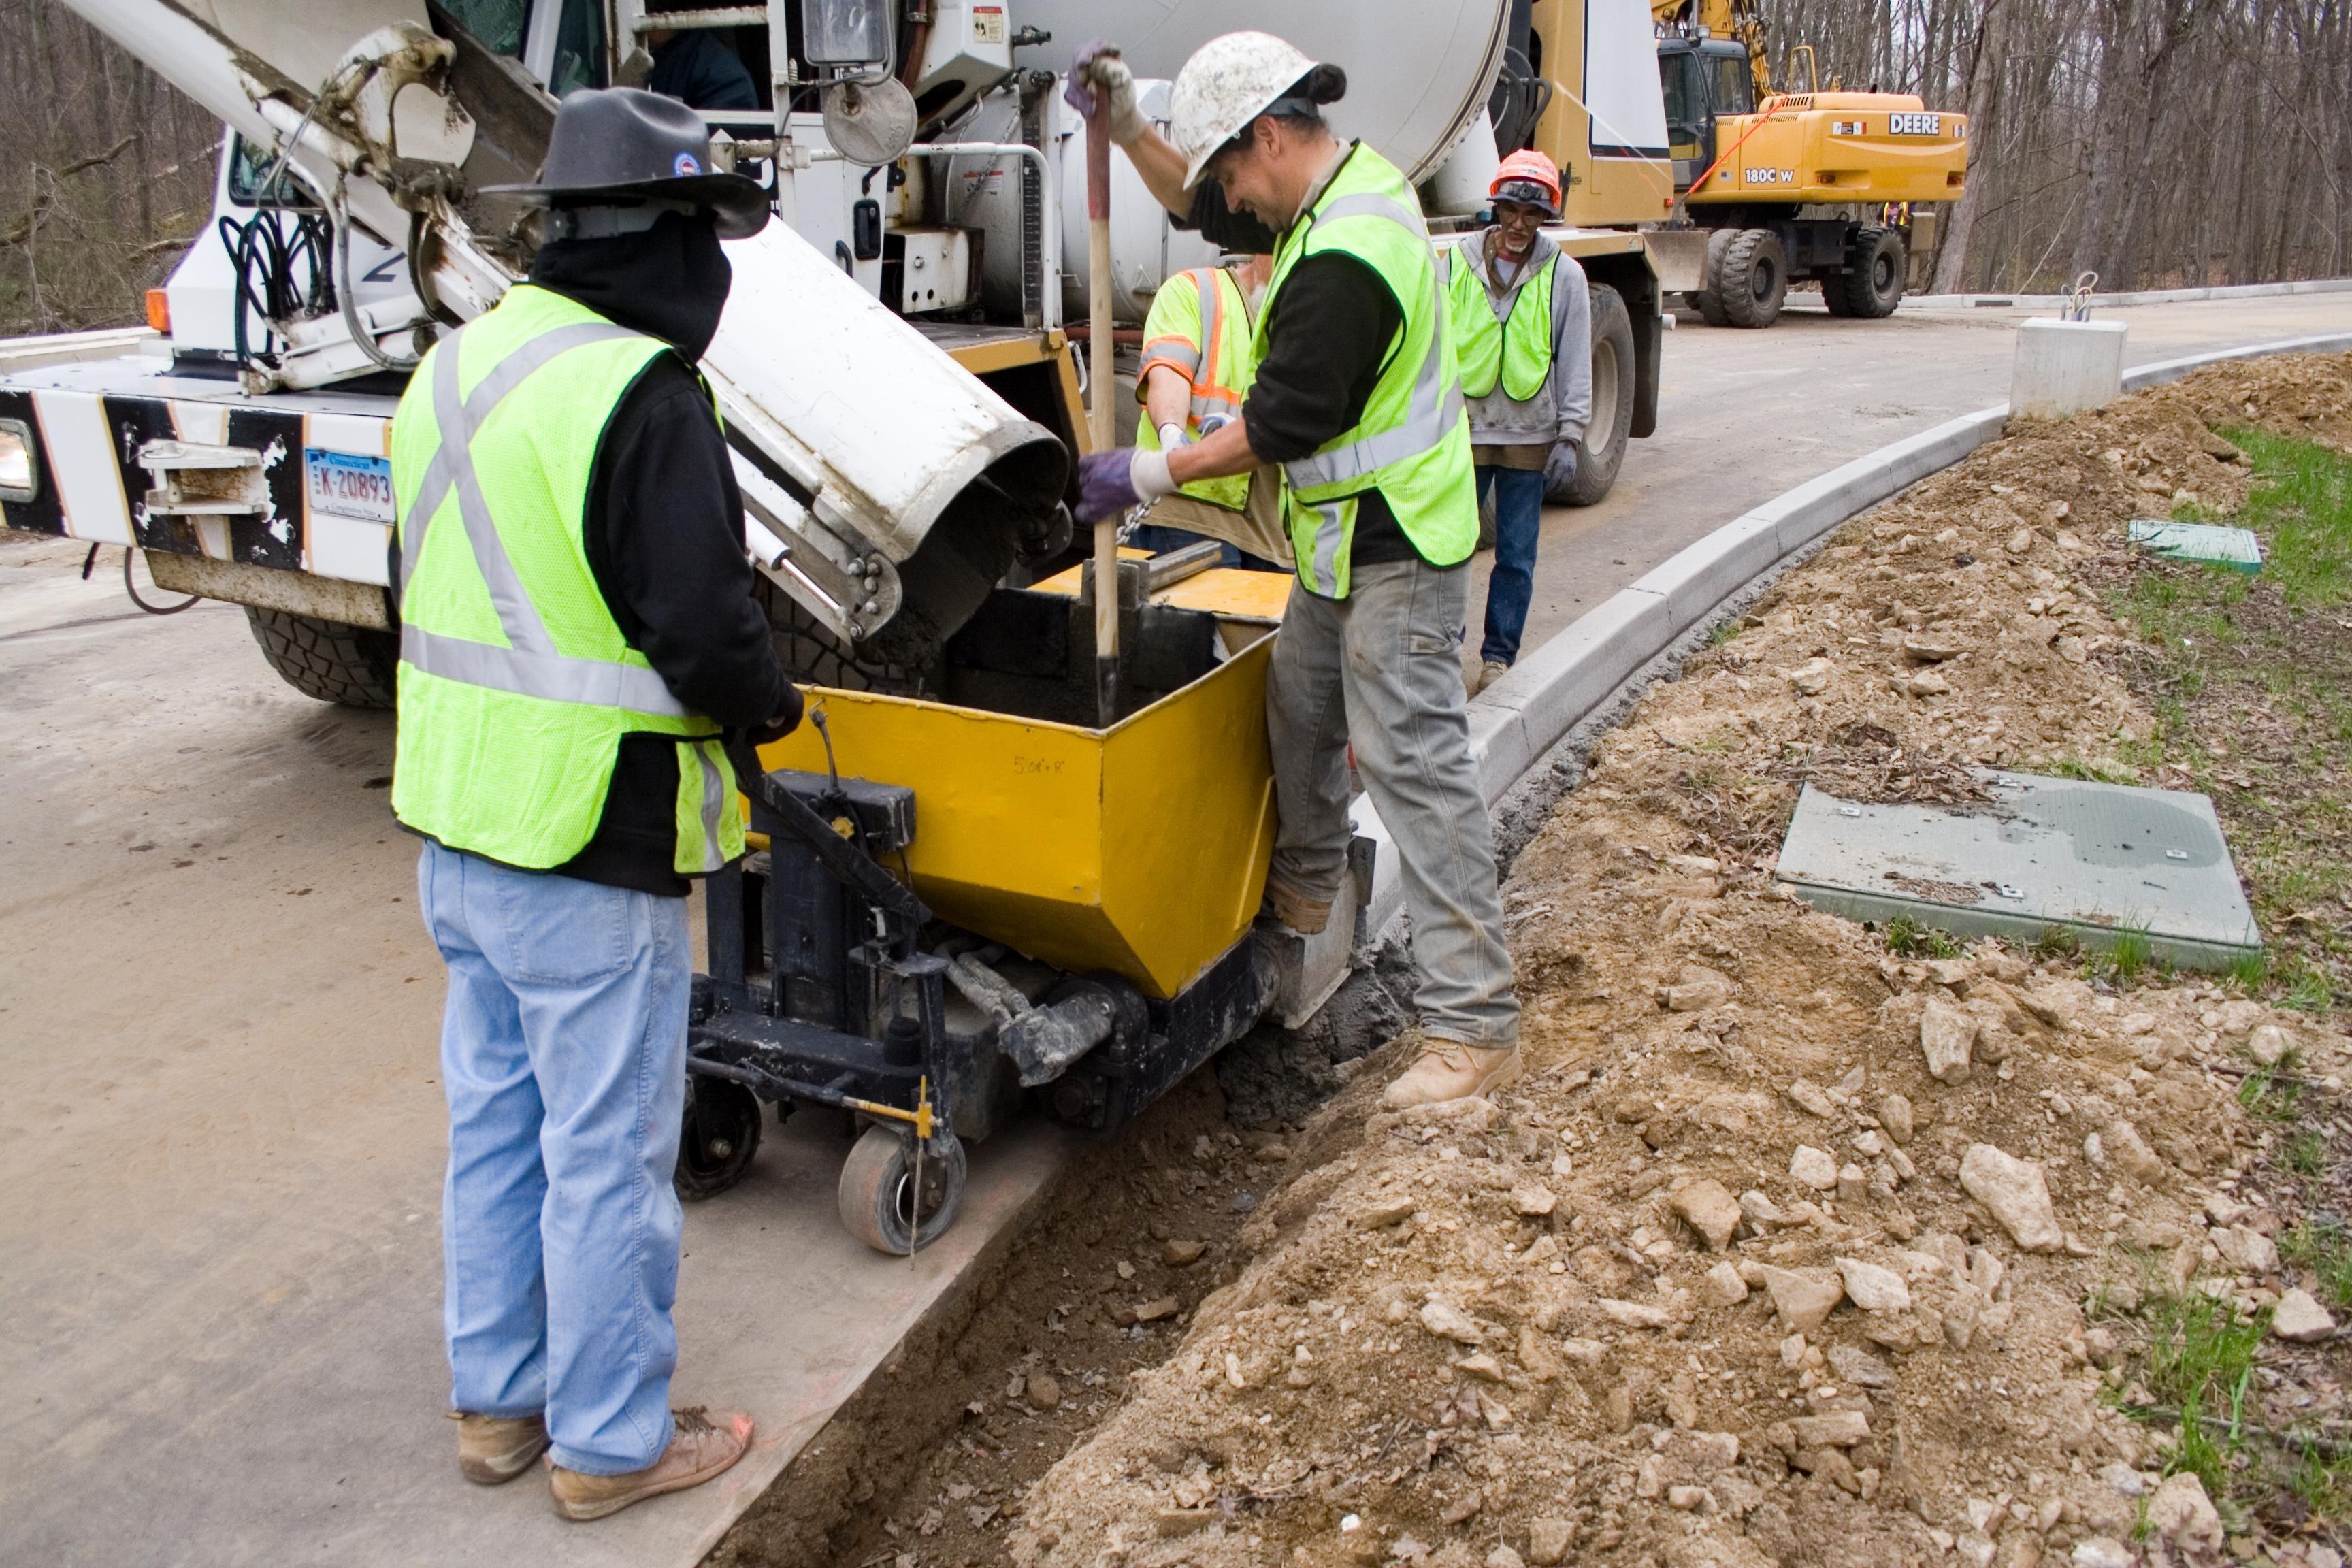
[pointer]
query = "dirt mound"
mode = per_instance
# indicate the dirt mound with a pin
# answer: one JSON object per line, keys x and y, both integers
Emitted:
{"x": 1733, "y": 1276}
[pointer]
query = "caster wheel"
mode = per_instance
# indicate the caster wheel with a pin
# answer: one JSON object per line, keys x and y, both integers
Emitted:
{"x": 878, "y": 1200}
{"x": 720, "y": 1135}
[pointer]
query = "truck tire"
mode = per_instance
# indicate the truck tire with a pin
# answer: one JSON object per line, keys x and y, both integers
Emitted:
{"x": 1602, "y": 452}
{"x": 1834, "y": 293}
{"x": 1871, "y": 285}
{"x": 1707, "y": 301}
{"x": 1750, "y": 275}
{"x": 351, "y": 665}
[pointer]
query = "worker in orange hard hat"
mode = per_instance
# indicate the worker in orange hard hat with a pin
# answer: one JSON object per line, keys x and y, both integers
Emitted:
{"x": 1522, "y": 325}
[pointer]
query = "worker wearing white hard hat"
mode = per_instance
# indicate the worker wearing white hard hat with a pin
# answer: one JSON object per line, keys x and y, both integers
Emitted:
{"x": 1358, "y": 399}
{"x": 1522, "y": 321}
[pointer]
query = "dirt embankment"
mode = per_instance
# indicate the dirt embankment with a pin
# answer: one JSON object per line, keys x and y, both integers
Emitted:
{"x": 1732, "y": 1278}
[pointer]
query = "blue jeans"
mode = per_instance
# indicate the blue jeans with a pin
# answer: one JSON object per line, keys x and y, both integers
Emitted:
{"x": 1518, "y": 523}
{"x": 563, "y": 1054}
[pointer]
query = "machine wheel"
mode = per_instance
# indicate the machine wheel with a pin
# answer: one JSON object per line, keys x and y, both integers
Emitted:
{"x": 1602, "y": 451}
{"x": 1709, "y": 306}
{"x": 1750, "y": 275}
{"x": 1834, "y": 293}
{"x": 878, "y": 1200}
{"x": 1872, "y": 283}
{"x": 1707, "y": 301}
{"x": 720, "y": 1135}
{"x": 349, "y": 664}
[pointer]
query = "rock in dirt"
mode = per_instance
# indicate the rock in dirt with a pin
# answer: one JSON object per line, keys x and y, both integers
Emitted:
{"x": 1874, "y": 1288}
{"x": 1635, "y": 1314}
{"x": 1811, "y": 677}
{"x": 1811, "y": 1098}
{"x": 1895, "y": 1115}
{"x": 1045, "y": 1392}
{"x": 1482, "y": 1365}
{"x": 2014, "y": 1190}
{"x": 1803, "y": 1296}
{"x": 1448, "y": 1321}
{"x": 1816, "y": 1168}
{"x": 2121, "y": 1141}
{"x": 1696, "y": 989}
{"x": 1708, "y": 1207}
{"x": 2267, "y": 1045}
{"x": 1946, "y": 1033}
{"x": 2099, "y": 1552}
{"x": 2183, "y": 1515}
{"x": 1382, "y": 1212}
{"x": 1182, "y": 1253}
{"x": 1548, "y": 1541}
{"x": 1173, "y": 1522}
{"x": 1860, "y": 1368}
{"x": 1723, "y": 1285}
{"x": 1154, "y": 1310}
{"x": 1931, "y": 648}
{"x": 1503, "y": 1557}
{"x": 1837, "y": 1429}
{"x": 2300, "y": 1318}
{"x": 1533, "y": 1201}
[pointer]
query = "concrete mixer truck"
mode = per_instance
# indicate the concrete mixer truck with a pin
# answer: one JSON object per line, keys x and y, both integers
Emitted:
{"x": 899, "y": 392}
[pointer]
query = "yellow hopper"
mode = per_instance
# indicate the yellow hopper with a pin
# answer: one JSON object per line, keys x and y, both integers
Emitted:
{"x": 1140, "y": 851}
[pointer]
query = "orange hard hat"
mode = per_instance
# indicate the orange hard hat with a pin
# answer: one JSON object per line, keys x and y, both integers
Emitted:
{"x": 1530, "y": 179}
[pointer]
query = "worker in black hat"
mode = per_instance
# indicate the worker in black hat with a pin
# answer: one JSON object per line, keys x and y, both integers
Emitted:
{"x": 578, "y": 625}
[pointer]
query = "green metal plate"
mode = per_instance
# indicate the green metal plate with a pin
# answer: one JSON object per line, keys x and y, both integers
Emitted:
{"x": 2094, "y": 859}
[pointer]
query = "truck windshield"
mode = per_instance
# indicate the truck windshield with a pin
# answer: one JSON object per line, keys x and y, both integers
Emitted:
{"x": 497, "y": 24}
{"x": 1735, "y": 85}
{"x": 1679, "y": 74}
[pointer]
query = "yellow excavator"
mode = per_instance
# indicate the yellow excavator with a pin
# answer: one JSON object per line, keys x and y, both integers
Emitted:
{"x": 1792, "y": 185}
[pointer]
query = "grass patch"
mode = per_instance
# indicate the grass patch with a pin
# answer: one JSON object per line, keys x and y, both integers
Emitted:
{"x": 2250, "y": 691}
{"x": 1907, "y": 938}
{"x": 2127, "y": 959}
{"x": 2200, "y": 1361}
{"x": 2090, "y": 771}
{"x": 2266, "y": 1096}
{"x": 2321, "y": 1247}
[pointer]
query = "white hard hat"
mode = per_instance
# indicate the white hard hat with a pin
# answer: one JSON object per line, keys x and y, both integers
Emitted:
{"x": 1229, "y": 81}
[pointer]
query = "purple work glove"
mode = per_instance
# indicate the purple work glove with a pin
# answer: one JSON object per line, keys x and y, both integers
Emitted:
{"x": 1559, "y": 471}
{"x": 1097, "y": 75}
{"x": 1110, "y": 482}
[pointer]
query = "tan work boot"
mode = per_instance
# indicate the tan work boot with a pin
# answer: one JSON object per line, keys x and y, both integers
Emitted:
{"x": 1493, "y": 670}
{"x": 1448, "y": 1070}
{"x": 1305, "y": 915}
{"x": 496, "y": 1448}
{"x": 702, "y": 1446}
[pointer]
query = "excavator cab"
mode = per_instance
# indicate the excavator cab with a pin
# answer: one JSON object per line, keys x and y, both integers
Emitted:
{"x": 1702, "y": 79}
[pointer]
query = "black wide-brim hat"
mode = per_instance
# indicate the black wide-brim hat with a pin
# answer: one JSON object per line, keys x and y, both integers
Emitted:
{"x": 621, "y": 144}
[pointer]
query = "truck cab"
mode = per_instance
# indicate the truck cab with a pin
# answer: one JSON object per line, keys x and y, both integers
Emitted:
{"x": 1702, "y": 79}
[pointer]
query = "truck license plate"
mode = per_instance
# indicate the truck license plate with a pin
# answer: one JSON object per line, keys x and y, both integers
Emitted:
{"x": 349, "y": 485}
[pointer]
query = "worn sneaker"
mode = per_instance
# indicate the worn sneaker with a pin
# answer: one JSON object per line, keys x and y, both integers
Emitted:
{"x": 496, "y": 1448}
{"x": 702, "y": 1446}
{"x": 1305, "y": 915}
{"x": 1448, "y": 1070}
{"x": 1493, "y": 670}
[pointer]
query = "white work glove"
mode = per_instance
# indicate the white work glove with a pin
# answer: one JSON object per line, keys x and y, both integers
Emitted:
{"x": 1172, "y": 436}
{"x": 1098, "y": 77}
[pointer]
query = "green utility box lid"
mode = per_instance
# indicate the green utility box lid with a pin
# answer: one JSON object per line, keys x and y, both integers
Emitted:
{"x": 2094, "y": 859}
{"x": 2235, "y": 548}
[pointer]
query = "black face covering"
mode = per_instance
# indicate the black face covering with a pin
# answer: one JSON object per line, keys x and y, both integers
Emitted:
{"x": 670, "y": 281}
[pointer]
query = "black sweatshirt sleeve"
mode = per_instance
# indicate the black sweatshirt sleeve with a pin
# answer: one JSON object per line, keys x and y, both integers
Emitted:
{"x": 1239, "y": 233}
{"x": 664, "y": 536}
{"x": 1334, "y": 323}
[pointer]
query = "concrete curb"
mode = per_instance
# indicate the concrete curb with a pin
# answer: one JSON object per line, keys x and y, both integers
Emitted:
{"x": 1520, "y": 718}
{"x": 2141, "y": 297}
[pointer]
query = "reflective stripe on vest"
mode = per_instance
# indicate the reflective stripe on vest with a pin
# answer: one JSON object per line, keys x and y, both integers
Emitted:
{"x": 1412, "y": 443}
{"x": 1217, "y": 371}
{"x": 1516, "y": 352}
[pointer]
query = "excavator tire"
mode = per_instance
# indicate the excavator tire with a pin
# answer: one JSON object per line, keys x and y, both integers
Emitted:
{"x": 1709, "y": 306}
{"x": 1602, "y": 452}
{"x": 351, "y": 666}
{"x": 1750, "y": 275}
{"x": 1707, "y": 301}
{"x": 1871, "y": 284}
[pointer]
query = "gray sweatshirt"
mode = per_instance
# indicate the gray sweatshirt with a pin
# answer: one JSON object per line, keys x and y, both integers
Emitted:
{"x": 1563, "y": 405}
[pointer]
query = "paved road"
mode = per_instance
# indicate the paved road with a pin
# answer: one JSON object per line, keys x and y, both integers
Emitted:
{"x": 220, "y": 1133}
{"x": 1745, "y": 416}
